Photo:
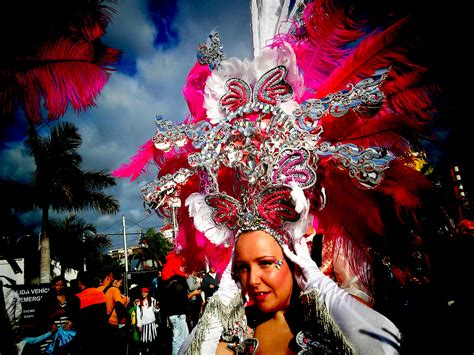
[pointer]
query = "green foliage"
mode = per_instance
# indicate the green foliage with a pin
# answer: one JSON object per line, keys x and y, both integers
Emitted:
{"x": 157, "y": 246}
{"x": 74, "y": 242}
{"x": 60, "y": 184}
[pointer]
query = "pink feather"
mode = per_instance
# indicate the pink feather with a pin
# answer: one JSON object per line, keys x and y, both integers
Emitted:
{"x": 137, "y": 164}
{"x": 193, "y": 91}
{"x": 328, "y": 32}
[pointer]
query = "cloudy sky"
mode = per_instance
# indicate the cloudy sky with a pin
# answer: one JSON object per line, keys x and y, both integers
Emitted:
{"x": 159, "y": 40}
{"x": 159, "y": 43}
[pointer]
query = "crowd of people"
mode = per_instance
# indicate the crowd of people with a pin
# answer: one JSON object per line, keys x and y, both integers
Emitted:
{"x": 95, "y": 314}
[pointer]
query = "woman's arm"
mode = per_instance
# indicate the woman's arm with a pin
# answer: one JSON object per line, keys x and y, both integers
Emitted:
{"x": 369, "y": 332}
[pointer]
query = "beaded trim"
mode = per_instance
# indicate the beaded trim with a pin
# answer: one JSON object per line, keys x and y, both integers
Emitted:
{"x": 322, "y": 330}
{"x": 232, "y": 318}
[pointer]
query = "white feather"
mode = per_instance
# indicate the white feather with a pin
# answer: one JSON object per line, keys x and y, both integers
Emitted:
{"x": 201, "y": 213}
{"x": 298, "y": 197}
{"x": 216, "y": 84}
{"x": 267, "y": 15}
{"x": 298, "y": 228}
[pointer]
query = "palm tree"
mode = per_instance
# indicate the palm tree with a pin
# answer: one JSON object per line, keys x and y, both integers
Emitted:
{"x": 156, "y": 246}
{"x": 59, "y": 183}
{"x": 75, "y": 243}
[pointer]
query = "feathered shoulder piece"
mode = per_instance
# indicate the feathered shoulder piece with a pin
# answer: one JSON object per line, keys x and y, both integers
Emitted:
{"x": 311, "y": 131}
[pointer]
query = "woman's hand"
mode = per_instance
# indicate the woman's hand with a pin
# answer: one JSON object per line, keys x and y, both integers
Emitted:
{"x": 308, "y": 272}
{"x": 67, "y": 326}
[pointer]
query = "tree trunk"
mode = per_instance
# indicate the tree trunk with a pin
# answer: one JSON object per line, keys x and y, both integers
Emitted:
{"x": 45, "y": 252}
{"x": 45, "y": 258}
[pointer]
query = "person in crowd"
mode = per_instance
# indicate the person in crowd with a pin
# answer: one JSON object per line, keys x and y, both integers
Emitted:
{"x": 174, "y": 300}
{"x": 59, "y": 308}
{"x": 155, "y": 285}
{"x": 210, "y": 283}
{"x": 146, "y": 321}
{"x": 115, "y": 300}
{"x": 92, "y": 315}
{"x": 195, "y": 302}
{"x": 134, "y": 344}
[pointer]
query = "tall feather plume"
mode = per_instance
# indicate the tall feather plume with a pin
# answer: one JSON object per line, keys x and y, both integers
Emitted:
{"x": 324, "y": 45}
{"x": 193, "y": 90}
{"x": 53, "y": 53}
{"x": 373, "y": 52}
{"x": 387, "y": 129}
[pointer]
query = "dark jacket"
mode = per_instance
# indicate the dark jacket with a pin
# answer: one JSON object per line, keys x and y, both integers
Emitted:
{"x": 207, "y": 281}
{"x": 174, "y": 296}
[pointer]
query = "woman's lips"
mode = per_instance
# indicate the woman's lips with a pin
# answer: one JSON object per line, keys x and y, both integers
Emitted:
{"x": 260, "y": 296}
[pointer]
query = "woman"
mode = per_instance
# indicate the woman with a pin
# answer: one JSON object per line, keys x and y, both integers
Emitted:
{"x": 59, "y": 308}
{"x": 277, "y": 316}
{"x": 146, "y": 320}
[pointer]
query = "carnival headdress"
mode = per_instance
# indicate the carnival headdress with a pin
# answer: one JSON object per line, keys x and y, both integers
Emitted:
{"x": 312, "y": 130}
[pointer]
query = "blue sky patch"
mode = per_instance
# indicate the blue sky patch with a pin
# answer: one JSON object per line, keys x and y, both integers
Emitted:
{"x": 163, "y": 13}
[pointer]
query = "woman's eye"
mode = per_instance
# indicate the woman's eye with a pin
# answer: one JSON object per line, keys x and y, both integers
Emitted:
{"x": 241, "y": 268}
{"x": 267, "y": 262}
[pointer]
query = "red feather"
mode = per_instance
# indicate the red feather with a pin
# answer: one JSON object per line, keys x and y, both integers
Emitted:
{"x": 327, "y": 34}
{"x": 52, "y": 53}
{"x": 387, "y": 129}
{"x": 373, "y": 52}
{"x": 405, "y": 186}
{"x": 411, "y": 94}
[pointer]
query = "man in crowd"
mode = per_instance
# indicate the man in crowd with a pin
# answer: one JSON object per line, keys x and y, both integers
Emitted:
{"x": 92, "y": 315}
{"x": 210, "y": 283}
{"x": 174, "y": 299}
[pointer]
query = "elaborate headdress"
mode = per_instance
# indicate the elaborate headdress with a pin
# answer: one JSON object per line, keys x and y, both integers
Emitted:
{"x": 316, "y": 129}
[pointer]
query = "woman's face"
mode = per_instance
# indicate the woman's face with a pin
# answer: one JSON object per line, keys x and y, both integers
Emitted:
{"x": 263, "y": 271}
{"x": 59, "y": 286}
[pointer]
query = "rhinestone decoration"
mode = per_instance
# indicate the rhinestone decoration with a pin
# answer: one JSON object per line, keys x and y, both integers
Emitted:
{"x": 272, "y": 149}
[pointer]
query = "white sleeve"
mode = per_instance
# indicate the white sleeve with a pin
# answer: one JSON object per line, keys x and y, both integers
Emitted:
{"x": 369, "y": 332}
{"x": 211, "y": 339}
